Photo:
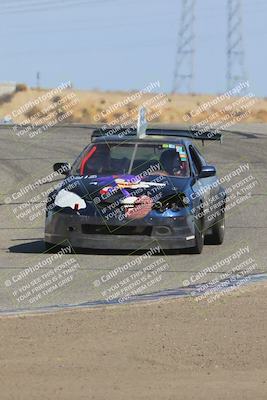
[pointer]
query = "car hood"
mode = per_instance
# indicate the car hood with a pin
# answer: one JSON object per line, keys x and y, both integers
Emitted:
{"x": 118, "y": 187}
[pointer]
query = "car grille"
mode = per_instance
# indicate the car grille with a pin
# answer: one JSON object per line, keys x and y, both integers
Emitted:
{"x": 116, "y": 230}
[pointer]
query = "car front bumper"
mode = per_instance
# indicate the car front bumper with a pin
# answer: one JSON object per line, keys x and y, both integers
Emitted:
{"x": 92, "y": 232}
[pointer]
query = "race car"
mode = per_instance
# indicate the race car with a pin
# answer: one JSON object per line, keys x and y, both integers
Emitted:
{"x": 130, "y": 188}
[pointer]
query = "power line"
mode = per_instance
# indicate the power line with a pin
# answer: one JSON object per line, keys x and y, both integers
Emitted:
{"x": 33, "y": 3}
{"x": 160, "y": 42}
{"x": 16, "y": 3}
{"x": 93, "y": 24}
{"x": 57, "y": 4}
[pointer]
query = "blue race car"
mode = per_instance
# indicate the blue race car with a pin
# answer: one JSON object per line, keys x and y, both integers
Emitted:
{"x": 130, "y": 187}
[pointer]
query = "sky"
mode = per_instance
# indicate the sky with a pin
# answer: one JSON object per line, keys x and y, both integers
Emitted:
{"x": 124, "y": 44}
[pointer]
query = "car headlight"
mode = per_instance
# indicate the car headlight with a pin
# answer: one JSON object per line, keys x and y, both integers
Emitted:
{"x": 173, "y": 203}
{"x": 64, "y": 198}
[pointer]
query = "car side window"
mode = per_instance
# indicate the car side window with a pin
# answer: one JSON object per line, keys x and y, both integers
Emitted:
{"x": 195, "y": 160}
{"x": 202, "y": 159}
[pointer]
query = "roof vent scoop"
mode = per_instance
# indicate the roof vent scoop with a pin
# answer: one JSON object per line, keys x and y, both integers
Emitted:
{"x": 141, "y": 123}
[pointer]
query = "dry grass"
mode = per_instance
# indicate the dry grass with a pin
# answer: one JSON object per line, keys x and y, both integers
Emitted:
{"x": 92, "y": 103}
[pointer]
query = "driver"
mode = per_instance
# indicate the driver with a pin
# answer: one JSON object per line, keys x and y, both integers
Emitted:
{"x": 171, "y": 163}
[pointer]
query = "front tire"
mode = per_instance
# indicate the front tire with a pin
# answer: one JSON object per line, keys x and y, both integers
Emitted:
{"x": 199, "y": 237}
{"x": 217, "y": 231}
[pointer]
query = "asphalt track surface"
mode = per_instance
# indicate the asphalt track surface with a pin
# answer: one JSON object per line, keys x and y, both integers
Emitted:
{"x": 24, "y": 161}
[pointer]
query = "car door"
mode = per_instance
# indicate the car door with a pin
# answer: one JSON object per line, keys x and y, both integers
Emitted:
{"x": 202, "y": 186}
{"x": 216, "y": 196}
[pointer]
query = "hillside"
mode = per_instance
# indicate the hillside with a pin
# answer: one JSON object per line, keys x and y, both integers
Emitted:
{"x": 96, "y": 106}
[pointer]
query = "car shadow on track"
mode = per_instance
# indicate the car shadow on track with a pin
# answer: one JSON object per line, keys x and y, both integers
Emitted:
{"x": 38, "y": 247}
{"x": 35, "y": 247}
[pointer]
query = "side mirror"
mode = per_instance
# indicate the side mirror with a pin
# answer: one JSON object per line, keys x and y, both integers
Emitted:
{"x": 62, "y": 168}
{"x": 207, "y": 171}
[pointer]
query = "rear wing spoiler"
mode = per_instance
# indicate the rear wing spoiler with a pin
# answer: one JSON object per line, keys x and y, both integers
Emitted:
{"x": 132, "y": 132}
{"x": 141, "y": 130}
{"x": 190, "y": 134}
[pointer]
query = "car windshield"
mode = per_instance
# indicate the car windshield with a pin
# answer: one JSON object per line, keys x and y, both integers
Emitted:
{"x": 103, "y": 159}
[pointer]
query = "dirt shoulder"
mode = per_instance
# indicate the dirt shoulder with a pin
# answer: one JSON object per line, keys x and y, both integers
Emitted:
{"x": 175, "y": 349}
